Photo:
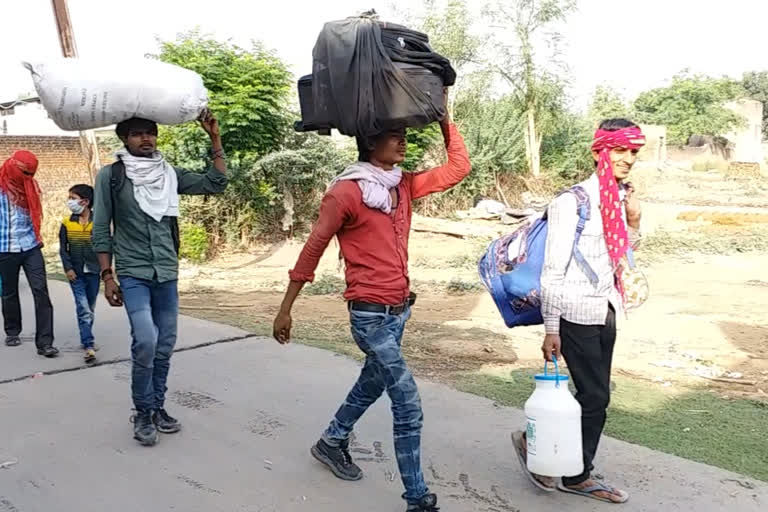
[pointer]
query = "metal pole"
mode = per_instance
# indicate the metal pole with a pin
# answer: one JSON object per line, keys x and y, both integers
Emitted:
{"x": 69, "y": 49}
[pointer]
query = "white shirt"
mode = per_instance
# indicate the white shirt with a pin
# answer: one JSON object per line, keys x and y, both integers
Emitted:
{"x": 566, "y": 291}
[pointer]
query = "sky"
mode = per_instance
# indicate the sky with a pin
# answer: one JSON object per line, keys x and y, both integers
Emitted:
{"x": 629, "y": 46}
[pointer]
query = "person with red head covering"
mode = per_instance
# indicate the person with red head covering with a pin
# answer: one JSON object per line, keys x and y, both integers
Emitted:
{"x": 21, "y": 215}
{"x": 579, "y": 307}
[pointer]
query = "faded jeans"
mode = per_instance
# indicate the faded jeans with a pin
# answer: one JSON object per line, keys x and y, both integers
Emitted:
{"x": 85, "y": 289}
{"x": 153, "y": 311}
{"x": 379, "y": 336}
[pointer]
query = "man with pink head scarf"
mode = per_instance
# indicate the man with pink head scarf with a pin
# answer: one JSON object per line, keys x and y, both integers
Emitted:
{"x": 579, "y": 312}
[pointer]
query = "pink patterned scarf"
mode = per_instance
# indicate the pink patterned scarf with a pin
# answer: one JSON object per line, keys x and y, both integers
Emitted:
{"x": 614, "y": 228}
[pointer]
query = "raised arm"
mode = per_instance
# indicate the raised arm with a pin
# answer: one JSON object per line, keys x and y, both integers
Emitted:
{"x": 449, "y": 174}
{"x": 214, "y": 181}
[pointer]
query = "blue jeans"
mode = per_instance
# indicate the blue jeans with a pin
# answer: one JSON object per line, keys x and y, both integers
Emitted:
{"x": 379, "y": 335}
{"x": 153, "y": 311}
{"x": 85, "y": 289}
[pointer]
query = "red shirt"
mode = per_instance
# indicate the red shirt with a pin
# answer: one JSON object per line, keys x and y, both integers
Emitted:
{"x": 375, "y": 244}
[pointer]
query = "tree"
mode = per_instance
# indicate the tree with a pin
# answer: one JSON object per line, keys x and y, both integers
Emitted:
{"x": 756, "y": 85}
{"x": 248, "y": 91}
{"x": 523, "y": 28}
{"x": 606, "y": 104}
{"x": 691, "y": 105}
{"x": 449, "y": 28}
{"x": 448, "y": 25}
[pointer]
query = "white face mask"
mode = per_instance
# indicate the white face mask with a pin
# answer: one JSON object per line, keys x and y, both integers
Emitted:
{"x": 75, "y": 206}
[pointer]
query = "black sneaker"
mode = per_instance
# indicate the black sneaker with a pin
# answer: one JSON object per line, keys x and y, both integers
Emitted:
{"x": 144, "y": 430}
{"x": 165, "y": 423}
{"x": 49, "y": 352}
{"x": 338, "y": 460}
{"x": 426, "y": 504}
{"x": 12, "y": 341}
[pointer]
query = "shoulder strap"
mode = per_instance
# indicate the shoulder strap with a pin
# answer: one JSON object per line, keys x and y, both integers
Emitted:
{"x": 116, "y": 182}
{"x": 583, "y": 206}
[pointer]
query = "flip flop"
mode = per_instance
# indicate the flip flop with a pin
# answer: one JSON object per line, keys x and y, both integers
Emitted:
{"x": 517, "y": 440}
{"x": 588, "y": 492}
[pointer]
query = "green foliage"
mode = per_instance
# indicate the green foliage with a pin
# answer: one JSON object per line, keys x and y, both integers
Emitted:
{"x": 607, "y": 104}
{"x": 248, "y": 92}
{"x": 756, "y": 85}
{"x": 254, "y": 208}
{"x": 691, "y": 105}
{"x": 448, "y": 25}
{"x": 302, "y": 169}
{"x": 419, "y": 142}
{"x": 327, "y": 284}
{"x": 535, "y": 79}
{"x": 194, "y": 242}
{"x": 566, "y": 151}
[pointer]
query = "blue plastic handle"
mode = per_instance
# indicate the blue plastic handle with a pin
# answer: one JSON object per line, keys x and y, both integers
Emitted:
{"x": 557, "y": 371}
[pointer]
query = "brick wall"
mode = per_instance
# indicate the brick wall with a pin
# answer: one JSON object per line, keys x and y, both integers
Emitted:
{"x": 61, "y": 160}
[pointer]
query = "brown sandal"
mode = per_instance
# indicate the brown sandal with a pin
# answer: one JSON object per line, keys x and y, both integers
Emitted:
{"x": 518, "y": 439}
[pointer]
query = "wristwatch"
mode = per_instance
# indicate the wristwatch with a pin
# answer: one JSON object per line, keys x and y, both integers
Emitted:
{"x": 106, "y": 274}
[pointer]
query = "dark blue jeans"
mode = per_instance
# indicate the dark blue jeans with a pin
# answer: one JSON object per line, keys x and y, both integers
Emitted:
{"x": 379, "y": 335}
{"x": 153, "y": 310}
{"x": 85, "y": 289}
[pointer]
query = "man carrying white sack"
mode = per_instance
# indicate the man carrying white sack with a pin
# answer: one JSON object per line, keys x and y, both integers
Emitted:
{"x": 139, "y": 196}
{"x": 580, "y": 313}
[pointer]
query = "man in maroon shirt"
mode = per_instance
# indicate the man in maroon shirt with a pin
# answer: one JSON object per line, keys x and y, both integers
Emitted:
{"x": 368, "y": 207}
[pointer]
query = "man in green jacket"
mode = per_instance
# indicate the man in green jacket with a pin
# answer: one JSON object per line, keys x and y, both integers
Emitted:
{"x": 135, "y": 219}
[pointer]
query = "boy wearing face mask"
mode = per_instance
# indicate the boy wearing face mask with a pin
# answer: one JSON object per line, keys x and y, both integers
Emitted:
{"x": 81, "y": 263}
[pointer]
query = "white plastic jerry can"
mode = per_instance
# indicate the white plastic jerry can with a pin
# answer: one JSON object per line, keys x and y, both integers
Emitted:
{"x": 553, "y": 433}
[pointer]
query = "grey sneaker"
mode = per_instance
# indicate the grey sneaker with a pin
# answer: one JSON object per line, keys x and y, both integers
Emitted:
{"x": 144, "y": 430}
{"x": 165, "y": 423}
{"x": 338, "y": 460}
{"x": 12, "y": 341}
{"x": 426, "y": 504}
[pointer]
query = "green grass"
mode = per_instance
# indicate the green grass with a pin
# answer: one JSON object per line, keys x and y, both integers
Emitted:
{"x": 327, "y": 284}
{"x": 697, "y": 425}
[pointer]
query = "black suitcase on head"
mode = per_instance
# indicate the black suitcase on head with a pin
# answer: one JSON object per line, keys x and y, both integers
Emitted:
{"x": 424, "y": 79}
{"x": 308, "y": 122}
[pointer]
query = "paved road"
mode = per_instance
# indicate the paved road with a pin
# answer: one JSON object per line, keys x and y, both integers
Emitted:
{"x": 251, "y": 409}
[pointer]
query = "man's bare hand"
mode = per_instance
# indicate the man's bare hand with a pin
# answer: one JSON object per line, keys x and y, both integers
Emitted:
{"x": 209, "y": 123}
{"x": 281, "y": 329}
{"x": 551, "y": 346}
{"x": 112, "y": 293}
{"x": 71, "y": 275}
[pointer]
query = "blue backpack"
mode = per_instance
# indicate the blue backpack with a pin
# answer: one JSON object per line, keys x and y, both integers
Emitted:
{"x": 511, "y": 267}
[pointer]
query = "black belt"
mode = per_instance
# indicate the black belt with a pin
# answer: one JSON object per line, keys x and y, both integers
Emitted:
{"x": 370, "y": 307}
{"x": 377, "y": 308}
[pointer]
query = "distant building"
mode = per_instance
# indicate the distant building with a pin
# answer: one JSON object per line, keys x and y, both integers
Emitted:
{"x": 748, "y": 140}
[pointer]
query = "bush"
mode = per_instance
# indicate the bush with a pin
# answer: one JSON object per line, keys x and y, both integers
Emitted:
{"x": 327, "y": 284}
{"x": 194, "y": 242}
